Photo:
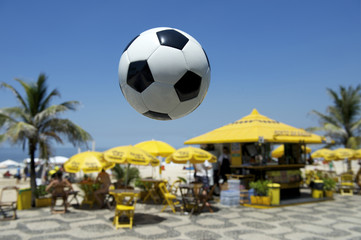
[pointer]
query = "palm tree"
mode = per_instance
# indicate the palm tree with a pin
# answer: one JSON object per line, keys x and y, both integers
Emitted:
{"x": 125, "y": 175}
{"x": 35, "y": 123}
{"x": 342, "y": 122}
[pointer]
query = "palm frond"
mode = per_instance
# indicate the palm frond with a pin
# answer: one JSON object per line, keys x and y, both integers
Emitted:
{"x": 342, "y": 121}
{"x": 71, "y": 105}
{"x": 75, "y": 134}
{"x": 49, "y": 112}
{"x": 12, "y": 114}
{"x": 16, "y": 93}
{"x": 3, "y": 138}
{"x": 20, "y": 131}
{"x": 45, "y": 149}
{"x": 47, "y": 100}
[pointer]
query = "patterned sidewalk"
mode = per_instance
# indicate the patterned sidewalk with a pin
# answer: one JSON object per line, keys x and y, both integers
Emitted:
{"x": 338, "y": 219}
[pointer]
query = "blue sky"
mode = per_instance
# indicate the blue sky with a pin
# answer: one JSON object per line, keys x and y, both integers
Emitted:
{"x": 276, "y": 56}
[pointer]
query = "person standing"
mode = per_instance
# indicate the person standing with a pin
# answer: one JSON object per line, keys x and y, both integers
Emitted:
{"x": 224, "y": 163}
{"x": 26, "y": 172}
{"x": 18, "y": 175}
{"x": 201, "y": 173}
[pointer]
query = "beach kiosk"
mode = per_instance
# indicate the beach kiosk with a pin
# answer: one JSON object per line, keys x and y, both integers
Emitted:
{"x": 251, "y": 140}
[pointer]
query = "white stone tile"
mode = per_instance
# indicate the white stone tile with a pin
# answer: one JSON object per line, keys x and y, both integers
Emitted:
{"x": 313, "y": 228}
{"x": 149, "y": 230}
{"x": 257, "y": 215}
{"x": 256, "y": 236}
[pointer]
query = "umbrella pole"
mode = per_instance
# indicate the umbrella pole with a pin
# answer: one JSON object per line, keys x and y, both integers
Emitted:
{"x": 189, "y": 175}
{"x": 160, "y": 168}
{"x": 126, "y": 176}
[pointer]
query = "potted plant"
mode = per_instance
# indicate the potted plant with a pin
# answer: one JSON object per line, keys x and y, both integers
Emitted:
{"x": 42, "y": 197}
{"x": 261, "y": 190}
{"x": 125, "y": 175}
{"x": 329, "y": 185}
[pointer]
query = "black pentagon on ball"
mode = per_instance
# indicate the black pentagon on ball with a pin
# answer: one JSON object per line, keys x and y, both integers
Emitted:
{"x": 188, "y": 86}
{"x": 139, "y": 76}
{"x": 172, "y": 38}
{"x": 157, "y": 115}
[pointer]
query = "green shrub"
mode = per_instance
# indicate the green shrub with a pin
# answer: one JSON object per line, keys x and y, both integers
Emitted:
{"x": 40, "y": 191}
{"x": 131, "y": 174}
{"x": 329, "y": 184}
{"x": 260, "y": 187}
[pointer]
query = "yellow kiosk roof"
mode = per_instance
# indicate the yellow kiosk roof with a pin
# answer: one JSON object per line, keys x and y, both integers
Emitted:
{"x": 254, "y": 127}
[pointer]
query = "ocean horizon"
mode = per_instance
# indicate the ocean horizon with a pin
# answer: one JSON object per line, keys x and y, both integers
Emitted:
{"x": 18, "y": 154}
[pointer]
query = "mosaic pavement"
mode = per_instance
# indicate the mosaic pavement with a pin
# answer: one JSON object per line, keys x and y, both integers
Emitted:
{"x": 338, "y": 219}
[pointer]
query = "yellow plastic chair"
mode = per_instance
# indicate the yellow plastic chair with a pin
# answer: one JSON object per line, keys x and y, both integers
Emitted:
{"x": 169, "y": 199}
{"x": 126, "y": 202}
{"x": 173, "y": 189}
{"x": 346, "y": 186}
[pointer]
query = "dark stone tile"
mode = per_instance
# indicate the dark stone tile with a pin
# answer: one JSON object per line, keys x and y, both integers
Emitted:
{"x": 203, "y": 235}
{"x": 258, "y": 225}
{"x": 8, "y": 237}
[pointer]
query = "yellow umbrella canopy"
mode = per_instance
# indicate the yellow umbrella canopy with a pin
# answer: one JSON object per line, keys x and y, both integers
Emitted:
{"x": 343, "y": 153}
{"x": 358, "y": 154}
{"x": 253, "y": 127}
{"x": 324, "y": 153}
{"x": 130, "y": 155}
{"x": 190, "y": 154}
{"x": 279, "y": 151}
{"x": 88, "y": 162}
{"x": 156, "y": 148}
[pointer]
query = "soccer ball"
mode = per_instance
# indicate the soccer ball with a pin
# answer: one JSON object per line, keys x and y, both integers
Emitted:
{"x": 164, "y": 73}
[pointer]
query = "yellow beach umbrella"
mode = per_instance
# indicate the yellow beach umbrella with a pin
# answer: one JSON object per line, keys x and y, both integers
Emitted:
{"x": 156, "y": 148}
{"x": 253, "y": 127}
{"x": 343, "y": 153}
{"x": 324, "y": 153}
{"x": 88, "y": 162}
{"x": 358, "y": 154}
{"x": 130, "y": 155}
{"x": 191, "y": 155}
{"x": 279, "y": 151}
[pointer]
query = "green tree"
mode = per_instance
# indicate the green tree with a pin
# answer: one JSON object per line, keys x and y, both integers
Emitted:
{"x": 342, "y": 122}
{"x": 35, "y": 124}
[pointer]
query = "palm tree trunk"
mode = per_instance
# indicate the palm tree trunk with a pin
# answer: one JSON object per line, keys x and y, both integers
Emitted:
{"x": 32, "y": 149}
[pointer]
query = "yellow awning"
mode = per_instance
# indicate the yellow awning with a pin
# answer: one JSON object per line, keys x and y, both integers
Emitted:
{"x": 253, "y": 127}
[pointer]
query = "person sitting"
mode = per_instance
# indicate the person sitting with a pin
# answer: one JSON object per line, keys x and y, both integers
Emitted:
{"x": 7, "y": 174}
{"x": 57, "y": 188}
{"x": 86, "y": 179}
{"x": 104, "y": 179}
